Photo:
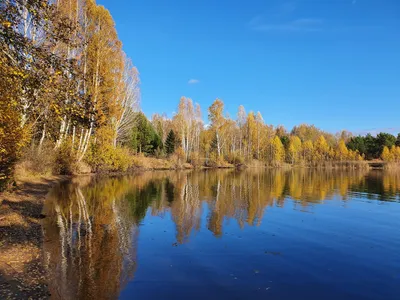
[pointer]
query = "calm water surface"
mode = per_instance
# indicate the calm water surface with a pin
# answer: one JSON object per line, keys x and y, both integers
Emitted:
{"x": 254, "y": 234}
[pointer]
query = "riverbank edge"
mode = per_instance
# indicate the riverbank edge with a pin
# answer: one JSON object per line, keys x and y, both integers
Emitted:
{"x": 22, "y": 268}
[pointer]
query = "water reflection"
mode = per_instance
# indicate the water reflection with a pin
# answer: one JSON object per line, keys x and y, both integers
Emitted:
{"x": 90, "y": 239}
{"x": 92, "y": 228}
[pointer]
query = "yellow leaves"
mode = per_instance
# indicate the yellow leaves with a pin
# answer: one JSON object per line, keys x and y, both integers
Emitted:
{"x": 18, "y": 73}
{"x": 392, "y": 155}
{"x": 215, "y": 113}
{"x": 386, "y": 155}
{"x": 396, "y": 153}
{"x": 56, "y": 108}
{"x": 6, "y": 24}
{"x": 295, "y": 147}
{"x": 278, "y": 151}
{"x": 308, "y": 149}
{"x": 342, "y": 153}
{"x": 321, "y": 149}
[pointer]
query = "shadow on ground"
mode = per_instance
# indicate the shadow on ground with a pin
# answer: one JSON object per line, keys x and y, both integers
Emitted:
{"x": 22, "y": 272}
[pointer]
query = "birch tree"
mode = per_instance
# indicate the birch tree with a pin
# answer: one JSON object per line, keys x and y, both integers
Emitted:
{"x": 188, "y": 123}
{"x": 128, "y": 102}
{"x": 241, "y": 121}
{"x": 218, "y": 124}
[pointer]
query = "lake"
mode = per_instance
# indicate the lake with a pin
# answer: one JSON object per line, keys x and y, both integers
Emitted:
{"x": 225, "y": 234}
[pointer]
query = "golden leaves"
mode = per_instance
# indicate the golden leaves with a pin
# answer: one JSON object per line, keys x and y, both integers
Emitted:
{"x": 6, "y": 24}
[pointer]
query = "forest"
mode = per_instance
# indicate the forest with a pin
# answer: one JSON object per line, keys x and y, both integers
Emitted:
{"x": 70, "y": 103}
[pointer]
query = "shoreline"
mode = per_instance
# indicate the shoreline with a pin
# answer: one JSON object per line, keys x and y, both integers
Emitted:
{"x": 22, "y": 272}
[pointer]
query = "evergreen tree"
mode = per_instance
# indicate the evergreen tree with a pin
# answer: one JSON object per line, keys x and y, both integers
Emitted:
{"x": 170, "y": 142}
{"x": 285, "y": 141}
{"x": 384, "y": 139}
{"x": 398, "y": 140}
{"x": 144, "y": 138}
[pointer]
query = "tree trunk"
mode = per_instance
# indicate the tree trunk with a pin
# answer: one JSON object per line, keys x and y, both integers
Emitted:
{"x": 43, "y": 136}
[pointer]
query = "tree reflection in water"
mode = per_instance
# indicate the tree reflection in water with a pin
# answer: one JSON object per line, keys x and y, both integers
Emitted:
{"x": 92, "y": 227}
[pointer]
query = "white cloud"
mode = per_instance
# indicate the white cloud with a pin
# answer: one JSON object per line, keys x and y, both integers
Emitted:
{"x": 193, "y": 81}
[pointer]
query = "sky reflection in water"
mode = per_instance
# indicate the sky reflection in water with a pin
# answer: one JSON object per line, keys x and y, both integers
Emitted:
{"x": 226, "y": 235}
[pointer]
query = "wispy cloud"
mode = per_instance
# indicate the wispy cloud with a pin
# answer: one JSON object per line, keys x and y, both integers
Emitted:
{"x": 296, "y": 25}
{"x": 354, "y": 2}
{"x": 375, "y": 131}
{"x": 193, "y": 81}
{"x": 280, "y": 18}
{"x": 284, "y": 9}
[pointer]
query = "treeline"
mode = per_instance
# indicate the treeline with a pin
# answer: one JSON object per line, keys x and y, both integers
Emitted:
{"x": 384, "y": 145}
{"x": 226, "y": 141}
{"x": 238, "y": 141}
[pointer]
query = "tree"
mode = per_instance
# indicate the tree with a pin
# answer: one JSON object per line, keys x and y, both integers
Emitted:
{"x": 384, "y": 139}
{"x": 386, "y": 155}
{"x": 285, "y": 141}
{"x": 280, "y": 131}
{"x": 308, "y": 151}
{"x": 241, "y": 121}
{"x": 144, "y": 138}
{"x": 398, "y": 140}
{"x": 321, "y": 149}
{"x": 260, "y": 124}
{"x": 251, "y": 135}
{"x": 278, "y": 151}
{"x": 218, "y": 122}
{"x": 342, "y": 152}
{"x": 127, "y": 103}
{"x": 372, "y": 148}
{"x": 357, "y": 143}
{"x": 294, "y": 149}
{"x": 32, "y": 79}
{"x": 170, "y": 142}
{"x": 188, "y": 124}
{"x": 162, "y": 125}
{"x": 395, "y": 153}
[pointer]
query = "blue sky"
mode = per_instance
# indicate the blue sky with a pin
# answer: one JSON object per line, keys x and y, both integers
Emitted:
{"x": 331, "y": 63}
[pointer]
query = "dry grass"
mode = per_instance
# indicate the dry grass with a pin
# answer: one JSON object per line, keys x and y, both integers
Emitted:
{"x": 346, "y": 165}
{"x": 254, "y": 163}
{"x": 152, "y": 163}
{"x": 391, "y": 166}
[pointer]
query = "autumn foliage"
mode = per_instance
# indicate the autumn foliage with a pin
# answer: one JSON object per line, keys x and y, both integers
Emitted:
{"x": 64, "y": 80}
{"x": 68, "y": 90}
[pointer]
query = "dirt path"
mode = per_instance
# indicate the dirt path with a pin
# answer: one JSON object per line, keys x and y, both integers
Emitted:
{"x": 22, "y": 272}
